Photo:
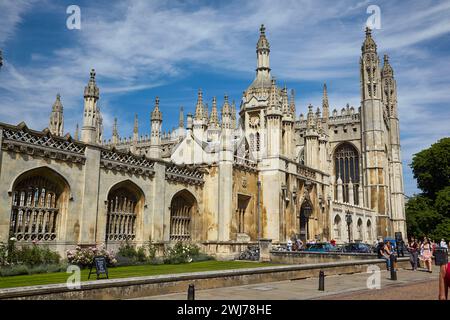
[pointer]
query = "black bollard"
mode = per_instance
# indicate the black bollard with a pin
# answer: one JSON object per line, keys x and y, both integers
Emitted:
{"x": 393, "y": 271}
{"x": 321, "y": 281}
{"x": 191, "y": 292}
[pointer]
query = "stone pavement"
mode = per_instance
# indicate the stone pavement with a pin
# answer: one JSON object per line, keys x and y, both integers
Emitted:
{"x": 351, "y": 286}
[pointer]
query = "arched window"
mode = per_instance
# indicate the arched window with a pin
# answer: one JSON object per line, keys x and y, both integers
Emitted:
{"x": 36, "y": 203}
{"x": 337, "y": 227}
{"x": 124, "y": 203}
{"x": 346, "y": 164}
{"x": 181, "y": 211}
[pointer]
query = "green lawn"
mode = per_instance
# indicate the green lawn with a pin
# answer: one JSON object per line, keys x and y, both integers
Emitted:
{"x": 126, "y": 272}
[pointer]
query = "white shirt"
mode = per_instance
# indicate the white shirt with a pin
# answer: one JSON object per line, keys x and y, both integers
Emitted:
{"x": 444, "y": 245}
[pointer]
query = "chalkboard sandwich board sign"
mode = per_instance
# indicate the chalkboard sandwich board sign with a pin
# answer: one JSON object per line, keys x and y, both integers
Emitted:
{"x": 100, "y": 267}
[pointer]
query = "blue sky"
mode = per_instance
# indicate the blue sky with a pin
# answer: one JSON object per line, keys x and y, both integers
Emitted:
{"x": 142, "y": 49}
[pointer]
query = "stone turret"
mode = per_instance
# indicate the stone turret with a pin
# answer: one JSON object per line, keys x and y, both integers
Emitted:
{"x": 373, "y": 129}
{"x": 155, "y": 138}
{"x": 263, "y": 78}
{"x": 56, "y": 125}
{"x": 325, "y": 103}
{"x": 199, "y": 118}
{"x": 89, "y": 132}
{"x": 115, "y": 133}
{"x": 389, "y": 92}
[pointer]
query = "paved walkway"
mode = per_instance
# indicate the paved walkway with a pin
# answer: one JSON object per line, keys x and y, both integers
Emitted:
{"x": 410, "y": 285}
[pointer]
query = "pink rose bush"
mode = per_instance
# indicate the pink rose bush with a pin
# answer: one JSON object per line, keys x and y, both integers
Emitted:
{"x": 84, "y": 257}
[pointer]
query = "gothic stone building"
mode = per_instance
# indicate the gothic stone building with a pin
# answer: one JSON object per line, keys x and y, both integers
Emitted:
{"x": 221, "y": 180}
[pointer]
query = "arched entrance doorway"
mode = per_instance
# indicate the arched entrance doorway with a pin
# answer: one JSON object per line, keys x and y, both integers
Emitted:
{"x": 305, "y": 214}
{"x": 182, "y": 210}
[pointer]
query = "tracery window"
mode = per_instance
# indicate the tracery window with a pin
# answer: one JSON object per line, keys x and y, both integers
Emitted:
{"x": 181, "y": 211}
{"x": 122, "y": 214}
{"x": 35, "y": 209}
{"x": 346, "y": 164}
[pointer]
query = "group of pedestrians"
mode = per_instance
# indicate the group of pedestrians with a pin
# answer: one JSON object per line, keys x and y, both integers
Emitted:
{"x": 423, "y": 251}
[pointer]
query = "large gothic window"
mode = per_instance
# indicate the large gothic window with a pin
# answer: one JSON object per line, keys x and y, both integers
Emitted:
{"x": 181, "y": 211}
{"x": 346, "y": 164}
{"x": 37, "y": 197}
{"x": 123, "y": 207}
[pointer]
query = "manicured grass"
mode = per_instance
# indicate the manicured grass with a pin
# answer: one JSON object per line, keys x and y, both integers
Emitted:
{"x": 126, "y": 272}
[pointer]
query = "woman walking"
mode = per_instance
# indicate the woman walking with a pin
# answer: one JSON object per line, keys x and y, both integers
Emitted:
{"x": 426, "y": 254}
{"x": 413, "y": 249}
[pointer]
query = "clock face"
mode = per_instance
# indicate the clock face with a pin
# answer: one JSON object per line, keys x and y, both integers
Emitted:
{"x": 254, "y": 121}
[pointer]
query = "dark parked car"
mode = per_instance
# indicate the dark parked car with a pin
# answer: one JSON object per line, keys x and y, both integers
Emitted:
{"x": 357, "y": 247}
{"x": 320, "y": 247}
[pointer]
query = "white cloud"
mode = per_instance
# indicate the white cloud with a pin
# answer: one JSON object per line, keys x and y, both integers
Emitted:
{"x": 138, "y": 45}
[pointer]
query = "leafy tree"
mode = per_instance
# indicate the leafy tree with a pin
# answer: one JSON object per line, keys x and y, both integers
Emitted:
{"x": 431, "y": 168}
{"x": 442, "y": 203}
{"x": 421, "y": 216}
{"x": 442, "y": 231}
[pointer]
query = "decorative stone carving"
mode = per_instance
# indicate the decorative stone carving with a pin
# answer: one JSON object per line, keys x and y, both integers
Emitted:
{"x": 184, "y": 175}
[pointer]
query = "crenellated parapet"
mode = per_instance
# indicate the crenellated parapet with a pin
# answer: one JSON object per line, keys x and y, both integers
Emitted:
{"x": 43, "y": 144}
{"x": 127, "y": 162}
{"x": 184, "y": 174}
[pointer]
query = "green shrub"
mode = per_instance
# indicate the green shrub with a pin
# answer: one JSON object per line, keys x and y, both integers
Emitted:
{"x": 22, "y": 269}
{"x": 182, "y": 253}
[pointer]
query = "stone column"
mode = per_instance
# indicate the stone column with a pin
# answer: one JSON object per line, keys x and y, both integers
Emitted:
{"x": 89, "y": 212}
{"x": 4, "y": 200}
{"x": 225, "y": 187}
{"x": 265, "y": 246}
{"x": 157, "y": 213}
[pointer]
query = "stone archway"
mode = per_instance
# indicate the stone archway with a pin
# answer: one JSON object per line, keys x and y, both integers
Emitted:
{"x": 125, "y": 203}
{"x": 182, "y": 211}
{"x": 39, "y": 200}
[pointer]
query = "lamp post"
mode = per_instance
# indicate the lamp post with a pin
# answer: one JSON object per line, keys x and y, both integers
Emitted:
{"x": 307, "y": 211}
{"x": 348, "y": 219}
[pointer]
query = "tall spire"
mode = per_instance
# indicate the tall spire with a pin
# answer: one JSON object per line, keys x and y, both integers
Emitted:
{"x": 155, "y": 138}
{"x": 136, "y": 129}
{"x": 156, "y": 113}
{"x": 91, "y": 90}
{"x": 292, "y": 103}
{"x": 387, "y": 71}
{"x": 57, "y": 117}
{"x": 226, "y": 114}
{"x": 285, "y": 99}
{"x": 115, "y": 133}
{"x": 325, "y": 104}
{"x": 199, "y": 110}
{"x": 77, "y": 132}
{"x": 369, "y": 44}
{"x": 214, "y": 118}
{"x": 262, "y": 61}
{"x": 233, "y": 115}
{"x": 90, "y": 130}
{"x": 181, "y": 118}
